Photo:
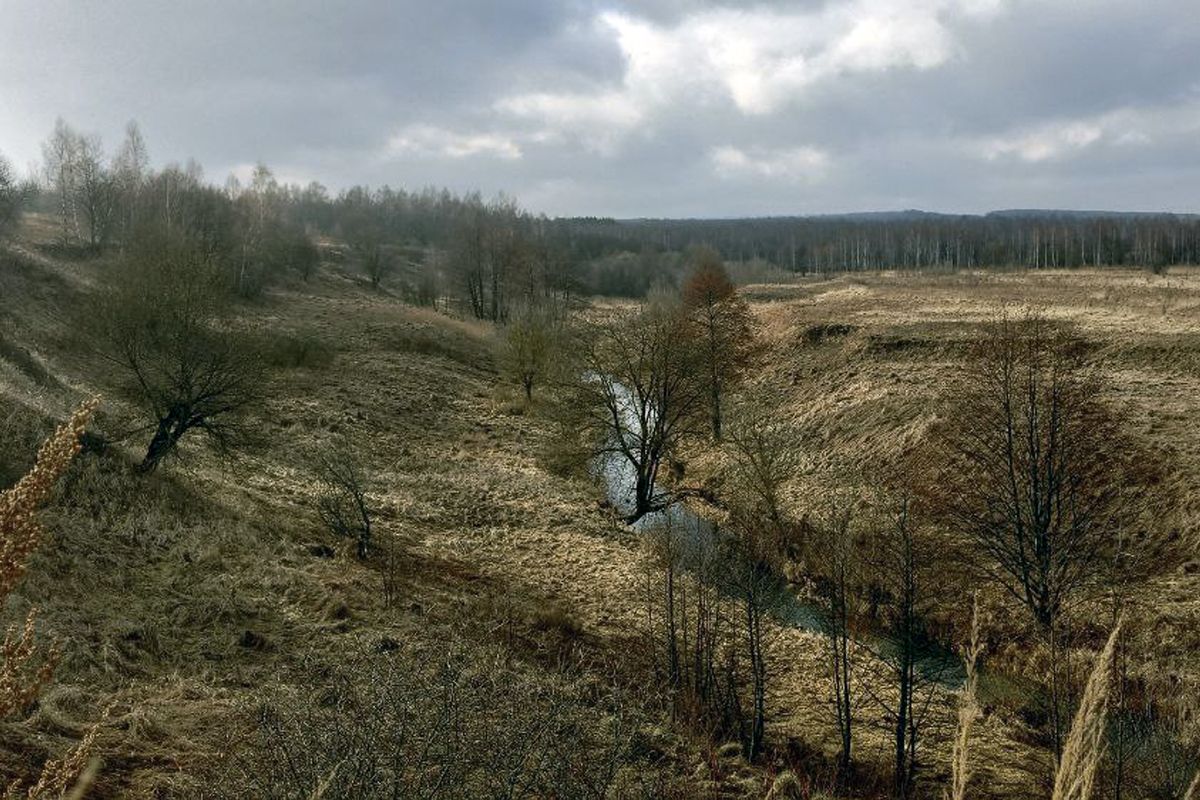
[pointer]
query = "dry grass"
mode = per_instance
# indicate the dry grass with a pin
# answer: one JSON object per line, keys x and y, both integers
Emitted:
{"x": 24, "y": 667}
{"x": 1075, "y": 778}
{"x": 968, "y": 711}
{"x": 857, "y": 367}
{"x": 179, "y": 597}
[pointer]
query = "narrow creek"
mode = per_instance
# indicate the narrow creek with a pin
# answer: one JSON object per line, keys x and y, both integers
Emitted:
{"x": 697, "y": 534}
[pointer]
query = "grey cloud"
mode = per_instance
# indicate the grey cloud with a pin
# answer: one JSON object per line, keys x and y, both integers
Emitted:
{"x": 685, "y": 107}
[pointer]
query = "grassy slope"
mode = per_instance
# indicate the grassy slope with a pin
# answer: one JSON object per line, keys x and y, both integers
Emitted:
{"x": 858, "y": 364}
{"x": 177, "y": 597}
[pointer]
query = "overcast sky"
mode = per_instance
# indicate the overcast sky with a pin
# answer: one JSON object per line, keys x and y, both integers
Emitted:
{"x": 662, "y": 108}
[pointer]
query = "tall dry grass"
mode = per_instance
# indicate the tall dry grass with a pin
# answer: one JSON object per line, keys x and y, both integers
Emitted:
{"x": 968, "y": 711}
{"x": 25, "y": 667}
{"x": 1076, "y": 775}
{"x": 1193, "y": 790}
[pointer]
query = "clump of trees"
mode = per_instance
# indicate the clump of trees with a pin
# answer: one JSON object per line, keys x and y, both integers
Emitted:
{"x": 101, "y": 202}
{"x": 907, "y": 240}
{"x": 709, "y": 616}
{"x": 658, "y": 377}
{"x": 93, "y": 198}
{"x": 719, "y": 591}
{"x": 1031, "y": 484}
{"x": 13, "y": 196}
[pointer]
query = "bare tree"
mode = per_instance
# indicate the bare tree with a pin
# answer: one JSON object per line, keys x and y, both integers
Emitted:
{"x": 60, "y": 156}
{"x": 130, "y": 171}
{"x": 722, "y": 322}
{"x": 904, "y": 561}
{"x": 97, "y": 190}
{"x": 159, "y": 321}
{"x": 838, "y": 559}
{"x": 529, "y": 344}
{"x": 766, "y": 459}
{"x": 753, "y": 577}
{"x": 1036, "y": 472}
{"x": 469, "y": 258}
{"x": 366, "y": 242}
{"x": 641, "y": 392}
{"x": 763, "y": 536}
{"x": 700, "y": 647}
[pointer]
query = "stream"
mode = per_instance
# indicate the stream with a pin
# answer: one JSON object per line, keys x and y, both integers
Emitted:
{"x": 698, "y": 534}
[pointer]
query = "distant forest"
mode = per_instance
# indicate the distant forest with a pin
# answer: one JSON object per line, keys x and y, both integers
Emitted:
{"x": 490, "y": 245}
{"x": 483, "y": 257}
{"x": 916, "y": 239}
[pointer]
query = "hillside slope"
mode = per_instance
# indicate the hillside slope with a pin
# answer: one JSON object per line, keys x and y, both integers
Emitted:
{"x": 184, "y": 599}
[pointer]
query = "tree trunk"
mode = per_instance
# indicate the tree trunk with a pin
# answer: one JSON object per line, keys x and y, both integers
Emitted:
{"x": 758, "y": 676}
{"x": 643, "y": 494}
{"x": 716, "y": 409}
{"x": 903, "y": 719}
{"x": 166, "y": 435}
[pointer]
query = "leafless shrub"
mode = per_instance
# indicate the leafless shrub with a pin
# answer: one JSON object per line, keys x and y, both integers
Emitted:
{"x": 342, "y": 503}
{"x": 1150, "y": 751}
{"x": 390, "y": 581}
{"x": 452, "y": 723}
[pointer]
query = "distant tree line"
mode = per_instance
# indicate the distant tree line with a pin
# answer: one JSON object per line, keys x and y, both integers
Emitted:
{"x": 913, "y": 240}
{"x": 485, "y": 257}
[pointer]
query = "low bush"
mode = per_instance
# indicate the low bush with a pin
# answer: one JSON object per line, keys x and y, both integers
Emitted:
{"x": 302, "y": 350}
{"x": 456, "y": 721}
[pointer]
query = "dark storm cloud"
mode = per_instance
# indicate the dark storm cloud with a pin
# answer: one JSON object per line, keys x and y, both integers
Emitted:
{"x": 668, "y": 107}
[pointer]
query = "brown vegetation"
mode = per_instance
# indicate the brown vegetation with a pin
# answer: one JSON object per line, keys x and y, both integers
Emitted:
{"x": 240, "y": 630}
{"x": 24, "y": 667}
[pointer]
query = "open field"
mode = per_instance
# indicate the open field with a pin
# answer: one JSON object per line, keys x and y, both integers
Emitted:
{"x": 183, "y": 599}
